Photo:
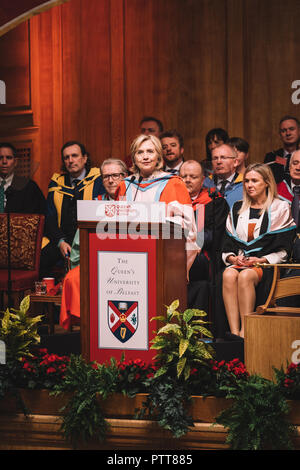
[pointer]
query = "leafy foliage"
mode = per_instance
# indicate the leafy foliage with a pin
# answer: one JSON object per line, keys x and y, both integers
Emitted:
{"x": 18, "y": 330}
{"x": 257, "y": 419}
{"x": 166, "y": 404}
{"x": 180, "y": 343}
{"x": 83, "y": 418}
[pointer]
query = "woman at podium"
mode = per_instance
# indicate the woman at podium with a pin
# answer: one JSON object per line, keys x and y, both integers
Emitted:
{"x": 259, "y": 230}
{"x": 150, "y": 183}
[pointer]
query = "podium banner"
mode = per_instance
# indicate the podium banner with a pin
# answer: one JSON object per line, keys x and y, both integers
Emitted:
{"x": 122, "y": 298}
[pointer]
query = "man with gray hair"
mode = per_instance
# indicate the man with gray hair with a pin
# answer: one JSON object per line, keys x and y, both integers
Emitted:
{"x": 113, "y": 171}
{"x": 289, "y": 190}
{"x": 225, "y": 177}
{"x": 279, "y": 160}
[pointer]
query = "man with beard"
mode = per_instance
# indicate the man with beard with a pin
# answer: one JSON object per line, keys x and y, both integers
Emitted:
{"x": 173, "y": 150}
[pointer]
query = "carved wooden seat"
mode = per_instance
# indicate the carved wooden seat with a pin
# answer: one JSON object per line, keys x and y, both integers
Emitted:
{"x": 282, "y": 287}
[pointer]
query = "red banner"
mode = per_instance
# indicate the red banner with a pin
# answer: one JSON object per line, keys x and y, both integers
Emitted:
{"x": 122, "y": 298}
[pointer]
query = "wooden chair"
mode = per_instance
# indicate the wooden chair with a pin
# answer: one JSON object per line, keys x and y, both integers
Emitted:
{"x": 25, "y": 235}
{"x": 282, "y": 287}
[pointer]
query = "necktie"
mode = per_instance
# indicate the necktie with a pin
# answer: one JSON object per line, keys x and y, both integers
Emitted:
{"x": 75, "y": 182}
{"x": 295, "y": 204}
{"x": 171, "y": 170}
{"x": 2, "y": 196}
{"x": 223, "y": 187}
{"x": 287, "y": 165}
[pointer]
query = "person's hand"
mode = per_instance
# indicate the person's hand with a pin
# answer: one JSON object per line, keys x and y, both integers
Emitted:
{"x": 252, "y": 260}
{"x": 65, "y": 248}
{"x": 237, "y": 260}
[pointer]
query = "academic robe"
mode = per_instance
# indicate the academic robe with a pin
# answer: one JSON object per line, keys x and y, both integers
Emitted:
{"x": 25, "y": 197}
{"x": 211, "y": 217}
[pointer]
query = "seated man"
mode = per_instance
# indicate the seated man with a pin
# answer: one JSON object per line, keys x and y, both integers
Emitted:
{"x": 215, "y": 214}
{"x": 173, "y": 150}
{"x": 17, "y": 193}
{"x": 289, "y": 190}
{"x": 77, "y": 181}
{"x": 213, "y": 138}
{"x": 225, "y": 176}
{"x": 113, "y": 171}
{"x": 289, "y": 131}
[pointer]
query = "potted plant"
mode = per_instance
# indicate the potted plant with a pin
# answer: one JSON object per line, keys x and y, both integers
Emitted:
{"x": 18, "y": 331}
{"x": 288, "y": 381}
{"x": 181, "y": 347}
{"x": 258, "y": 416}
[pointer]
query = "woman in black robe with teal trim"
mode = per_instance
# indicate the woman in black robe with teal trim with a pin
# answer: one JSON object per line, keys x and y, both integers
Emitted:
{"x": 259, "y": 230}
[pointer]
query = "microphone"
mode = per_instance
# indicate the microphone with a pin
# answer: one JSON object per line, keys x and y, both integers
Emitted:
{"x": 138, "y": 186}
{"x": 131, "y": 181}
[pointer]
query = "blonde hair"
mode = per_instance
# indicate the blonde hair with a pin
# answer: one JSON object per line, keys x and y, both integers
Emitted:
{"x": 138, "y": 141}
{"x": 266, "y": 173}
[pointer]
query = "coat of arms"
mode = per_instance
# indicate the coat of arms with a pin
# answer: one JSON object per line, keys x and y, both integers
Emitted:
{"x": 122, "y": 319}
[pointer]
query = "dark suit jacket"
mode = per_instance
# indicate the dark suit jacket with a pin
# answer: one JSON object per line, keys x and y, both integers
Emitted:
{"x": 24, "y": 196}
{"x": 277, "y": 169}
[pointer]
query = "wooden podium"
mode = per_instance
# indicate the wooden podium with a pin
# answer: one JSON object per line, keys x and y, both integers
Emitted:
{"x": 271, "y": 341}
{"x": 163, "y": 262}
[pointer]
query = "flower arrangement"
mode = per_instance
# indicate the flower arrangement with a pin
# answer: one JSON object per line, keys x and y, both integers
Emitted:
{"x": 212, "y": 379}
{"x": 134, "y": 376}
{"x": 42, "y": 369}
{"x": 184, "y": 366}
{"x": 289, "y": 381}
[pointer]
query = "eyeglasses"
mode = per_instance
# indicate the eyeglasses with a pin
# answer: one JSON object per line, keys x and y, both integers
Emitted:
{"x": 113, "y": 176}
{"x": 222, "y": 158}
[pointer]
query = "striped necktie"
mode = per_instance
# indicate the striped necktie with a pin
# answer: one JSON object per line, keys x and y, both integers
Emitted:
{"x": 2, "y": 196}
{"x": 223, "y": 187}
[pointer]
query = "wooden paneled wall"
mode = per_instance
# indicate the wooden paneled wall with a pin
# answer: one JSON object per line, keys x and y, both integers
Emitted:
{"x": 91, "y": 70}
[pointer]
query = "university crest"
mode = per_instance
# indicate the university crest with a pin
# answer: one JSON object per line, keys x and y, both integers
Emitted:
{"x": 122, "y": 319}
{"x": 110, "y": 210}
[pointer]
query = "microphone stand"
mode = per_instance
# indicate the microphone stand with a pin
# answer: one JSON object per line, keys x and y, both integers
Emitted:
{"x": 9, "y": 284}
{"x": 138, "y": 186}
{"x": 213, "y": 195}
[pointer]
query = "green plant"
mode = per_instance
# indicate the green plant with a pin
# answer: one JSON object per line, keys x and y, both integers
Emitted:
{"x": 181, "y": 348}
{"x": 257, "y": 418}
{"x": 180, "y": 343}
{"x": 18, "y": 330}
{"x": 83, "y": 418}
{"x": 166, "y": 403}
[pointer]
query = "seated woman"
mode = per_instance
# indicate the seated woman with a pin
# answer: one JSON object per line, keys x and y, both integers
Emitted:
{"x": 259, "y": 229}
